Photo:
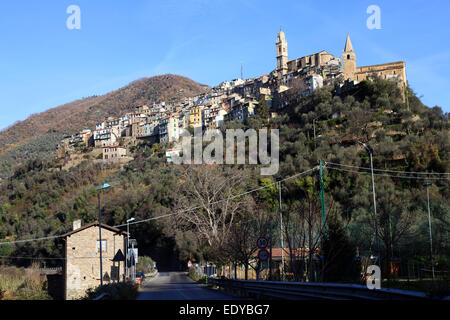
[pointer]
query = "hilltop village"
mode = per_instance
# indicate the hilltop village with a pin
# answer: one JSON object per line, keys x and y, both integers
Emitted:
{"x": 231, "y": 100}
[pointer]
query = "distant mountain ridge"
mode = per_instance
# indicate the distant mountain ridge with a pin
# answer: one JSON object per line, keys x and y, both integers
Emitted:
{"x": 86, "y": 113}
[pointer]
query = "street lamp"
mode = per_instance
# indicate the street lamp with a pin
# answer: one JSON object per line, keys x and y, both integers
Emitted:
{"x": 270, "y": 252}
{"x": 105, "y": 186}
{"x": 128, "y": 242}
{"x": 427, "y": 185}
{"x": 369, "y": 150}
{"x": 279, "y": 179}
{"x": 314, "y": 126}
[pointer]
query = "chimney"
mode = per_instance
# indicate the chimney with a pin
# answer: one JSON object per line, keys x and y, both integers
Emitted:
{"x": 76, "y": 224}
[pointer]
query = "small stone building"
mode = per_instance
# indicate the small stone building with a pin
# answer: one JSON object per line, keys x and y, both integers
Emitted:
{"x": 82, "y": 264}
{"x": 114, "y": 152}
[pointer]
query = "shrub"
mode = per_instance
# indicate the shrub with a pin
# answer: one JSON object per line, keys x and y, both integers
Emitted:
{"x": 115, "y": 291}
{"x": 195, "y": 273}
{"x": 145, "y": 264}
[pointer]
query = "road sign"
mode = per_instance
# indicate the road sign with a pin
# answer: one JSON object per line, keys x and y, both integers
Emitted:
{"x": 264, "y": 265}
{"x": 263, "y": 255}
{"x": 189, "y": 264}
{"x": 134, "y": 253}
{"x": 262, "y": 242}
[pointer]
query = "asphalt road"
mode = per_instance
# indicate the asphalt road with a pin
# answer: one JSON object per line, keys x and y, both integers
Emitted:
{"x": 178, "y": 286}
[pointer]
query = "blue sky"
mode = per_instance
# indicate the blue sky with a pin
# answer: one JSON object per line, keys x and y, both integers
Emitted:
{"x": 43, "y": 64}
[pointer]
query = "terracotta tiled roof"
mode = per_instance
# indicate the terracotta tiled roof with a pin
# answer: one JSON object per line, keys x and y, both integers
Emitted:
{"x": 94, "y": 224}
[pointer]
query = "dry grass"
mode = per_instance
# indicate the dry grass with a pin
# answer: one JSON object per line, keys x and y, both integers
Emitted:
{"x": 22, "y": 284}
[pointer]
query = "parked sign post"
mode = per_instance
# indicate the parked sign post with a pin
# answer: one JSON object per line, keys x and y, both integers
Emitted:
{"x": 263, "y": 255}
{"x": 262, "y": 242}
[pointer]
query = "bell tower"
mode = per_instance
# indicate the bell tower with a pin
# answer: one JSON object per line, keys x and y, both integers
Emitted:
{"x": 282, "y": 53}
{"x": 349, "y": 60}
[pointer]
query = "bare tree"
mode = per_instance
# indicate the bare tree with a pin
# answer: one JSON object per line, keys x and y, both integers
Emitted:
{"x": 241, "y": 244}
{"x": 359, "y": 120}
{"x": 303, "y": 229}
{"x": 209, "y": 197}
{"x": 297, "y": 86}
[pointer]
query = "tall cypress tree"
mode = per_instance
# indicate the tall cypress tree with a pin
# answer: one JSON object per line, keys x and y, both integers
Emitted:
{"x": 263, "y": 110}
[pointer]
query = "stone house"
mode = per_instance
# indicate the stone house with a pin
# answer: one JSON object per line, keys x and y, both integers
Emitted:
{"x": 195, "y": 117}
{"x": 105, "y": 137}
{"x": 168, "y": 129}
{"x": 82, "y": 258}
{"x": 114, "y": 152}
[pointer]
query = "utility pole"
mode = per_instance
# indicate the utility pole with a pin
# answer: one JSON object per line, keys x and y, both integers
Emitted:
{"x": 128, "y": 245}
{"x": 375, "y": 209}
{"x": 427, "y": 185}
{"x": 370, "y": 150}
{"x": 314, "y": 126}
{"x": 105, "y": 186}
{"x": 322, "y": 199}
{"x": 100, "y": 237}
{"x": 134, "y": 262}
{"x": 281, "y": 229}
{"x": 270, "y": 249}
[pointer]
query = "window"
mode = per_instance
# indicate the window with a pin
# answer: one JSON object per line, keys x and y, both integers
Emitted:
{"x": 103, "y": 246}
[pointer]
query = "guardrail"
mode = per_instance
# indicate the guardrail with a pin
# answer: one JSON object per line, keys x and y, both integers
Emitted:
{"x": 151, "y": 274}
{"x": 100, "y": 297}
{"x": 314, "y": 291}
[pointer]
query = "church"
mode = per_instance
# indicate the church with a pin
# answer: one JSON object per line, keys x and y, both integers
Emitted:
{"x": 325, "y": 64}
{"x": 386, "y": 70}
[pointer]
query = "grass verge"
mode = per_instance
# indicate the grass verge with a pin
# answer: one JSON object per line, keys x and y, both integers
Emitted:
{"x": 22, "y": 284}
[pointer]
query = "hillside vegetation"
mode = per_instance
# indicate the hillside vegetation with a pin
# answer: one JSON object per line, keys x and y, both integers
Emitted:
{"x": 39, "y": 200}
{"x": 86, "y": 113}
{"x": 42, "y": 148}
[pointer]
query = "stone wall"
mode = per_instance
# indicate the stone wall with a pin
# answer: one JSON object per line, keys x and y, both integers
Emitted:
{"x": 83, "y": 260}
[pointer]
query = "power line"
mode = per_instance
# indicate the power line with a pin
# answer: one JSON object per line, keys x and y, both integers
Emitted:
{"x": 257, "y": 189}
{"x": 391, "y": 171}
{"x": 218, "y": 201}
{"x": 228, "y": 199}
{"x": 170, "y": 214}
{"x": 30, "y": 258}
{"x": 388, "y": 175}
{"x": 29, "y": 240}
